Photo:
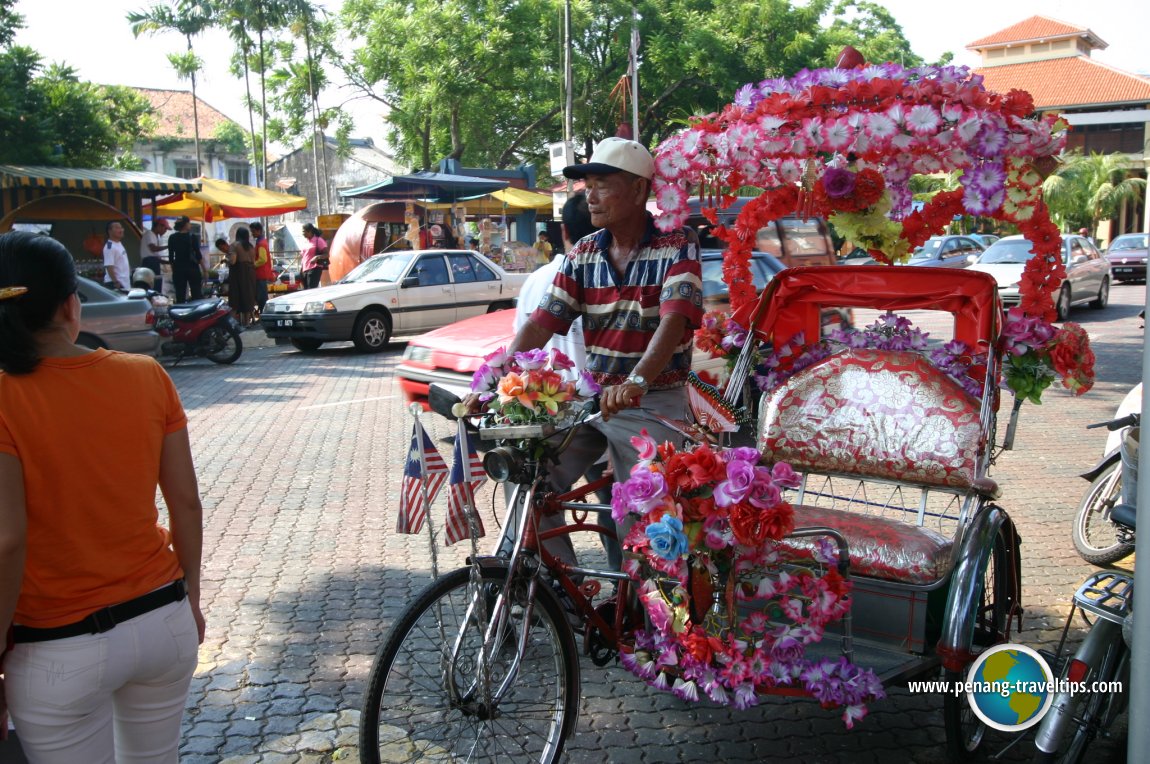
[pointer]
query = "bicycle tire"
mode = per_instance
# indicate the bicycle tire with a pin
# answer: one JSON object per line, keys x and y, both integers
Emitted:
{"x": 964, "y": 730}
{"x": 1095, "y": 536}
{"x": 408, "y": 712}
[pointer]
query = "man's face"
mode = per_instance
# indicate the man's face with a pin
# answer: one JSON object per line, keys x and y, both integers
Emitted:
{"x": 615, "y": 198}
{"x": 115, "y": 232}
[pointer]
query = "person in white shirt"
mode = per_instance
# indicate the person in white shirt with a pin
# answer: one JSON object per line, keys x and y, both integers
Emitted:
{"x": 154, "y": 251}
{"x": 116, "y": 273}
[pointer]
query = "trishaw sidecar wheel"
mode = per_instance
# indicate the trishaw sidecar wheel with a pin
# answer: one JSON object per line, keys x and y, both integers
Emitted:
{"x": 964, "y": 730}
{"x": 411, "y": 711}
{"x": 1095, "y": 537}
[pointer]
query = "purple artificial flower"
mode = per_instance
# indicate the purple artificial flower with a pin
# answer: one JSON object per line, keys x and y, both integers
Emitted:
{"x": 640, "y": 493}
{"x": 764, "y": 494}
{"x": 838, "y": 183}
{"x": 685, "y": 690}
{"x": 496, "y": 359}
{"x": 741, "y": 454}
{"x": 530, "y": 360}
{"x": 784, "y": 475}
{"x": 586, "y": 386}
{"x": 740, "y": 479}
{"x": 484, "y": 379}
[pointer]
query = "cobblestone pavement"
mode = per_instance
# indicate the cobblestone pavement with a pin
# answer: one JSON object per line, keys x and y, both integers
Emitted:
{"x": 300, "y": 457}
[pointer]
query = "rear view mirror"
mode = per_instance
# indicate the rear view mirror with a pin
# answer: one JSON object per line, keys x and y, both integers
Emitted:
{"x": 410, "y": 281}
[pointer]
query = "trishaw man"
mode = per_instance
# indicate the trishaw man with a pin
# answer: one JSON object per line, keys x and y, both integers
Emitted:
{"x": 639, "y": 293}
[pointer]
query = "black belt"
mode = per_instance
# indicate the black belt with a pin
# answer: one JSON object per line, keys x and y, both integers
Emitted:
{"x": 106, "y": 619}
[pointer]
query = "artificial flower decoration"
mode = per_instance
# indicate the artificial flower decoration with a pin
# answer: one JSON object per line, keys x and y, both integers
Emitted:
{"x": 529, "y": 387}
{"x": 1036, "y": 353}
{"x": 727, "y": 618}
{"x": 844, "y": 143}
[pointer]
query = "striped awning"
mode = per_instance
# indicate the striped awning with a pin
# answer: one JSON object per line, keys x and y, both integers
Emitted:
{"x": 72, "y": 179}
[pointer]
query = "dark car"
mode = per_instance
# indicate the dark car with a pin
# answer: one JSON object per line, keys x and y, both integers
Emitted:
{"x": 1127, "y": 256}
{"x": 110, "y": 320}
{"x": 946, "y": 252}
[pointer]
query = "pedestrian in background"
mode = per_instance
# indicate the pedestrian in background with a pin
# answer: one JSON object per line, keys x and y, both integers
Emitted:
{"x": 103, "y": 602}
{"x": 265, "y": 273}
{"x": 116, "y": 267}
{"x": 543, "y": 250}
{"x": 242, "y": 277}
{"x": 313, "y": 257}
{"x": 154, "y": 251}
{"x": 184, "y": 252}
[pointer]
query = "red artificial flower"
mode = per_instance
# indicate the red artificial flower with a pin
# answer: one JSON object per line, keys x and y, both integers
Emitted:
{"x": 665, "y": 450}
{"x": 1018, "y": 103}
{"x": 699, "y": 645}
{"x": 711, "y": 215}
{"x": 748, "y": 524}
{"x": 779, "y": 520}
{"x": 1072, "y": 358}
{"x": 869, "y": 185}
{"x": 698, "y": 509}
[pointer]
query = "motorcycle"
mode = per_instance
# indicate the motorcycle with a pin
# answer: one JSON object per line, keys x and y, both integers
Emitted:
{"x": 205, "y": 328}
{"x": 1092, "y": 690}
{"x": 1096, "y": 537}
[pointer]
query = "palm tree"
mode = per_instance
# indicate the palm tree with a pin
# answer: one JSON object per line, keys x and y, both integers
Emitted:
{"x": 1086, "y": 190}
{"x": 233, "y": 16}
{"x": 189, "y": 18}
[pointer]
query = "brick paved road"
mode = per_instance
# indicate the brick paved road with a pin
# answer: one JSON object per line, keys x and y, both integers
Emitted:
{"x": 299, "y": 460}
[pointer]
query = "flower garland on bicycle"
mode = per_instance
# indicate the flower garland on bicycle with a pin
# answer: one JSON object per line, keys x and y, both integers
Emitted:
{"x": 706, "y": 533}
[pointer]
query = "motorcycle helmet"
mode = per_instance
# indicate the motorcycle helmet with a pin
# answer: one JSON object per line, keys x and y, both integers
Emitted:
{"x": 143, "y": 278}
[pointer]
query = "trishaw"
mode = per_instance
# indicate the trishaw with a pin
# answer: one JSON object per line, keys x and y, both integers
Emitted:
{"x": 891, "y": 494}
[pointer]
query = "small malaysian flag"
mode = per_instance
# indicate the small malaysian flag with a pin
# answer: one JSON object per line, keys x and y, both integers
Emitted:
{"x": 423, "y": 476}
{"x": 466, "y": 475}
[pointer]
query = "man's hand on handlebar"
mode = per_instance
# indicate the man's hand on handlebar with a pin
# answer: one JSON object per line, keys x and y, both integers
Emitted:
{"x": 615, "y": 398}
{"x": 471, "y": 403}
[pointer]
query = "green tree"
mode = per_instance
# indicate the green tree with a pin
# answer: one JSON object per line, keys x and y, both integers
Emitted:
{"x": 1087, "y": 189}
{"x": 484, "y": 77}
{"x": 189, "y": 18}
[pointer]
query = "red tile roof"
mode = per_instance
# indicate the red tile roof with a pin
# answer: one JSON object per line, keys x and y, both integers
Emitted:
{"x": 174, "y": 114}
{"x": 1033, "y": 28}
{"x": 1067, "y": 82}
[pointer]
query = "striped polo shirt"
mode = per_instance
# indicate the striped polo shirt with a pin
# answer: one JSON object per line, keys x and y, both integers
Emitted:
{"x": 620, "y": 317}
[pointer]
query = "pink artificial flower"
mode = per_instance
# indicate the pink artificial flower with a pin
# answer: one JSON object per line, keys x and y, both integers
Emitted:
{"x": 922, "y": 120}
{"x": 560, "y": 361}
{"x": 784, "y": 475}
{"x": 645, "y": 445}
{"x": 880, "y": 127}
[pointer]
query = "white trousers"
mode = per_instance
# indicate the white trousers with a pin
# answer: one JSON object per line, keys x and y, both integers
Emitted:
{"x": 111, "y": 698}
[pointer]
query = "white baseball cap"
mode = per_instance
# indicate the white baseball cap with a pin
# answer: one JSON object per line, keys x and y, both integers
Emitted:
{"x": 615, "y": 155}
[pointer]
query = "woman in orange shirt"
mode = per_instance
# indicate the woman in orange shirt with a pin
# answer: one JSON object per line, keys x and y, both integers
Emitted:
{"x": 101, "y": 602}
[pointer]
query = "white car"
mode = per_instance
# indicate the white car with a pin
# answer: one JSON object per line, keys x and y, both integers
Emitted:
{"x": 1087, "y": 272}
{"x": 395, "y": 293}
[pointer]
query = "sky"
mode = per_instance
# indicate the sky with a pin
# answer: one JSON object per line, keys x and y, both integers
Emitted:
{"x": 100, "y": 46}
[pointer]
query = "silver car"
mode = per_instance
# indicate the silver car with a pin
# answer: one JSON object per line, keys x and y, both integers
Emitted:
{"x": 110, "y": 320}
{"x": 1087, "y": 272}
{"x": 946, "y": 252}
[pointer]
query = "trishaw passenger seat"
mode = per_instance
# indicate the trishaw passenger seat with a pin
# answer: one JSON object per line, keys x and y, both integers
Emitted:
{"x": 875, "y": 413}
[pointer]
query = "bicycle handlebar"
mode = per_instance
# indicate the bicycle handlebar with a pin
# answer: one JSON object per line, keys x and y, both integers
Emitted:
{"x": 1130, "y": 420}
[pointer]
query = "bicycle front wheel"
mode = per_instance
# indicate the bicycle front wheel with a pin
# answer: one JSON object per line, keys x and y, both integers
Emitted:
{"x": 1095, "y": 536}
{"x": 426, "y": 701}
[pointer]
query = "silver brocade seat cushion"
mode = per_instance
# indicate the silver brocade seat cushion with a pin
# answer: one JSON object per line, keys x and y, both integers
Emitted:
{"x": 880, "y": 547}
{"x": 874, "y": 413}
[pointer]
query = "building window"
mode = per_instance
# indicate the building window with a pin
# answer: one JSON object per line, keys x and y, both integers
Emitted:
{"x": 1040, "y": 47}
{"x": 238, "y": 173}
{"x": 187, "y": 170}
{"x": 1107, "y": 139}
{"x": 1060, "y": 45}
{"x": 995, "y": 53}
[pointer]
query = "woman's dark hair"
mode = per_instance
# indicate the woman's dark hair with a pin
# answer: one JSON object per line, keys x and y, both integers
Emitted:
{"x": 243, "y": 236}
{"x": 44, "y": 267}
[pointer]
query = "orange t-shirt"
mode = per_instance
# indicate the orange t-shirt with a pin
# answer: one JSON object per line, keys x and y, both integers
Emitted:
{"x": 88, "y": 432}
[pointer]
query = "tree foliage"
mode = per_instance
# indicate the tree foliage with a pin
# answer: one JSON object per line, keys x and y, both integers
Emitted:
{"x": 48, "y": 116}
{"x": 482, "y": 79}
{"x": 1087, "y": 189}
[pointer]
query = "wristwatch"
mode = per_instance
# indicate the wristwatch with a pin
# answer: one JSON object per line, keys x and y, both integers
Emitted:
{"x": 638, "y": 380}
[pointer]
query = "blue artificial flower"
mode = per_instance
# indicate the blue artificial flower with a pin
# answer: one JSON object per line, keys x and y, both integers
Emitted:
{"x": 667, "y": 538}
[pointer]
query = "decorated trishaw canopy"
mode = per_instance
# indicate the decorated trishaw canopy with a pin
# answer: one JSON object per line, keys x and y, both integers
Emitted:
{"x": 843, "y": 143}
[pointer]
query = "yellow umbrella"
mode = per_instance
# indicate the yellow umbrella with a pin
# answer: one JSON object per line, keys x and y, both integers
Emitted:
{"x": 499, "y": 202}
{"x": 219, "y": 199}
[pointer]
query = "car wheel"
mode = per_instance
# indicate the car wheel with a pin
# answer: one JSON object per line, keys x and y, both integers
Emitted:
{"x": 372, "y": 332}
{"x": 91, "y": 341}
{"x": 1062, "y": 304}
{"x": 499, "y": 306}
{"x": 1103, "y": 295}
{"x": 306, "y": 345}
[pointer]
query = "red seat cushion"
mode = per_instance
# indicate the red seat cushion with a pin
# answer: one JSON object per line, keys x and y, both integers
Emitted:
{"x": 875, "y": 413}
{"x": 880, "y": 547}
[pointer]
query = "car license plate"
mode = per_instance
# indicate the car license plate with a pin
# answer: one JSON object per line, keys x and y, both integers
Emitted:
{"x": 284, "y": 322}
{"x": 1123, "y": 270}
